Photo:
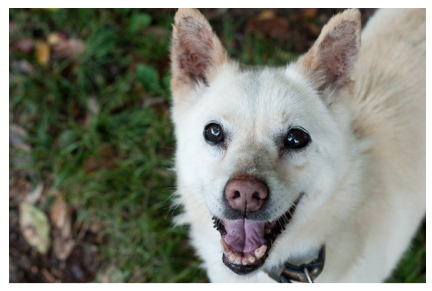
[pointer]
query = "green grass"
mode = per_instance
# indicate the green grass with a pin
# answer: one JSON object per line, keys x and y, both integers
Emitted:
{"x": 110, "y": 156}
{"x": 113, "y": 165}
{"x": 412, "y": 267}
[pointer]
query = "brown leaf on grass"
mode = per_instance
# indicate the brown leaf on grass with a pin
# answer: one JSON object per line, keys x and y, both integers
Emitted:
{"x": 54, "y": 38}
{"x": 22, "y": 66}
{"x": 67, "y": 48}
{"x": 61, "y": 218}
{"x": 33, "y": 196}
{"x": 93, "y": 108}
{"x": 62, "y": 246}
{"x": 94, "y": 164}
{"x": 93, "y": 105}
{"x": 266, "y": 14}
{"x": 58, "y": 212}
{"x": 17, "y": 135}
{"x": 309, "y": 13}
{"x": 268, "y": 25}
{"x": 35, "y": 227}
{"x": 42, "y": 51}
{"x": 105, "y": 161}
{"x": 25, "y": 45}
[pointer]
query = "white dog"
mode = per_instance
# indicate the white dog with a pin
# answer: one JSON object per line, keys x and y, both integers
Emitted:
{"x": 327, "y": 152}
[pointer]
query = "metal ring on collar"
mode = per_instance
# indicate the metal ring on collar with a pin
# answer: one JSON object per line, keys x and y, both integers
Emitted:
{"x": 305, "y": 273}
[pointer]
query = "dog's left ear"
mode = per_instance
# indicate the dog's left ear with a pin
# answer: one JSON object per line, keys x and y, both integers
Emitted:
{"x": 330, "y": 61}
{"x": 196, "y": 52}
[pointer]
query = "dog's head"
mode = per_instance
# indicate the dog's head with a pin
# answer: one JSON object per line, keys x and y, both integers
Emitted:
{"x": 263, "y": 148}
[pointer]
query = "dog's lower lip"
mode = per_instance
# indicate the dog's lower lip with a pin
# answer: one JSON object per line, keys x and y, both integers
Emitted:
{"x": 242, "y": 269}
{"x": 245, "y": 263}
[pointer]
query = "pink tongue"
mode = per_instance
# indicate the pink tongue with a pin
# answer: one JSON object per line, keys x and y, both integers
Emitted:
{"x": 244, "y": 235}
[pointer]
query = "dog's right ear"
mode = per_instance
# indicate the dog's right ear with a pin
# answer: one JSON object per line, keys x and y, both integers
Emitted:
{"x": 196, "y": 52}
{"x": 330, "y": 62}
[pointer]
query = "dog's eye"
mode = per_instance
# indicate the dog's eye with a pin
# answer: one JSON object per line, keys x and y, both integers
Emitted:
{"x": 213, "y": 133}
{"x": 296, "y": 139}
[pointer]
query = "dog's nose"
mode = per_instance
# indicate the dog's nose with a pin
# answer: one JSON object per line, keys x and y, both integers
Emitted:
{"x": 245, "y": 193}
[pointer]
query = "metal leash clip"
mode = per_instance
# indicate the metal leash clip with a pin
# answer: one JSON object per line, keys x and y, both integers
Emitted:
{"x": 305, "y": 273}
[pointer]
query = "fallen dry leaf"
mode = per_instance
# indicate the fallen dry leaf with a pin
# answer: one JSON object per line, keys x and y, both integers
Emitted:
{"x": 62, "y": 246}
{"x": 25, "y": 45}
{"x": 271, "y": 27}
{"x": 68, "y": 48}
{"x": 58, "y": 212}
{"x": 35, "y": 227}
{"x": 106, "y": 161}
{"x": 266, "y": 14}
{"x": 309, "y": 13}
{"x": 22, "y": 66}
{"x": 93, "y": 109}
{"x": 61, "y": 218}
{"x": 17, "y": 134}
{"x": 54, "y": 38}
{"x": 34, "y": 196}
{"x": 93, "y": 105}
{"x": 42, "y": 51}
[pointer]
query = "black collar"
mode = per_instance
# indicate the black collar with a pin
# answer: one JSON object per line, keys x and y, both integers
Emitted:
{"x": 306, "y": 273}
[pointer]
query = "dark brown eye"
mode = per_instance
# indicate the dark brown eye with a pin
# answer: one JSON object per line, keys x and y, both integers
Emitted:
{"x": 296, "y": 139}
{"x": 213, "y": 133}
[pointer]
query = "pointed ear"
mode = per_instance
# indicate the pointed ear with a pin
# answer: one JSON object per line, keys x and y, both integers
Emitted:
{"x": 330, "y": 61}
{"x": 196, "y": 51}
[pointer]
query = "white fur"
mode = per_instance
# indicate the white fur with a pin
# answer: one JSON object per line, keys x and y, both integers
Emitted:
{"x": 363, "y": 173}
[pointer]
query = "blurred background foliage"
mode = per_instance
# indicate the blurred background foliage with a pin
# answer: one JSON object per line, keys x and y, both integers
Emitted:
{"x": 91, "y": 142}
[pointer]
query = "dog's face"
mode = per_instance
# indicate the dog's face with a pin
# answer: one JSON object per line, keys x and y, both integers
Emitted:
{"x": 263, "y": 148}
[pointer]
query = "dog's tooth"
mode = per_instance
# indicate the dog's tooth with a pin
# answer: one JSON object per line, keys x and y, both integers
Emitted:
{"x": 259, "y": 252}
{"x": 232, "y": 258}
{"x": 245, "y": 261}
{"x": 252, "y": 259}
{"x": 238, "y": 260}
{"x": 225, "y": 247}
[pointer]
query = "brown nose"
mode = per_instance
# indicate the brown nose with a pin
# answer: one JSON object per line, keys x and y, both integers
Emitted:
{"x": 245, "y": 193}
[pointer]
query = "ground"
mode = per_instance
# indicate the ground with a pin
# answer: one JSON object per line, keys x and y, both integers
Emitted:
{"x": 91, "y": 142}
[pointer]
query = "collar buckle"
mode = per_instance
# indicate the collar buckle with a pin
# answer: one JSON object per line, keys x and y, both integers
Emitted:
{"x": 304, "y": 273}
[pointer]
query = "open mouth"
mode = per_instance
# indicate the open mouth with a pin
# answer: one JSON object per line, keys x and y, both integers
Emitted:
{"x": 246, "y": 243}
